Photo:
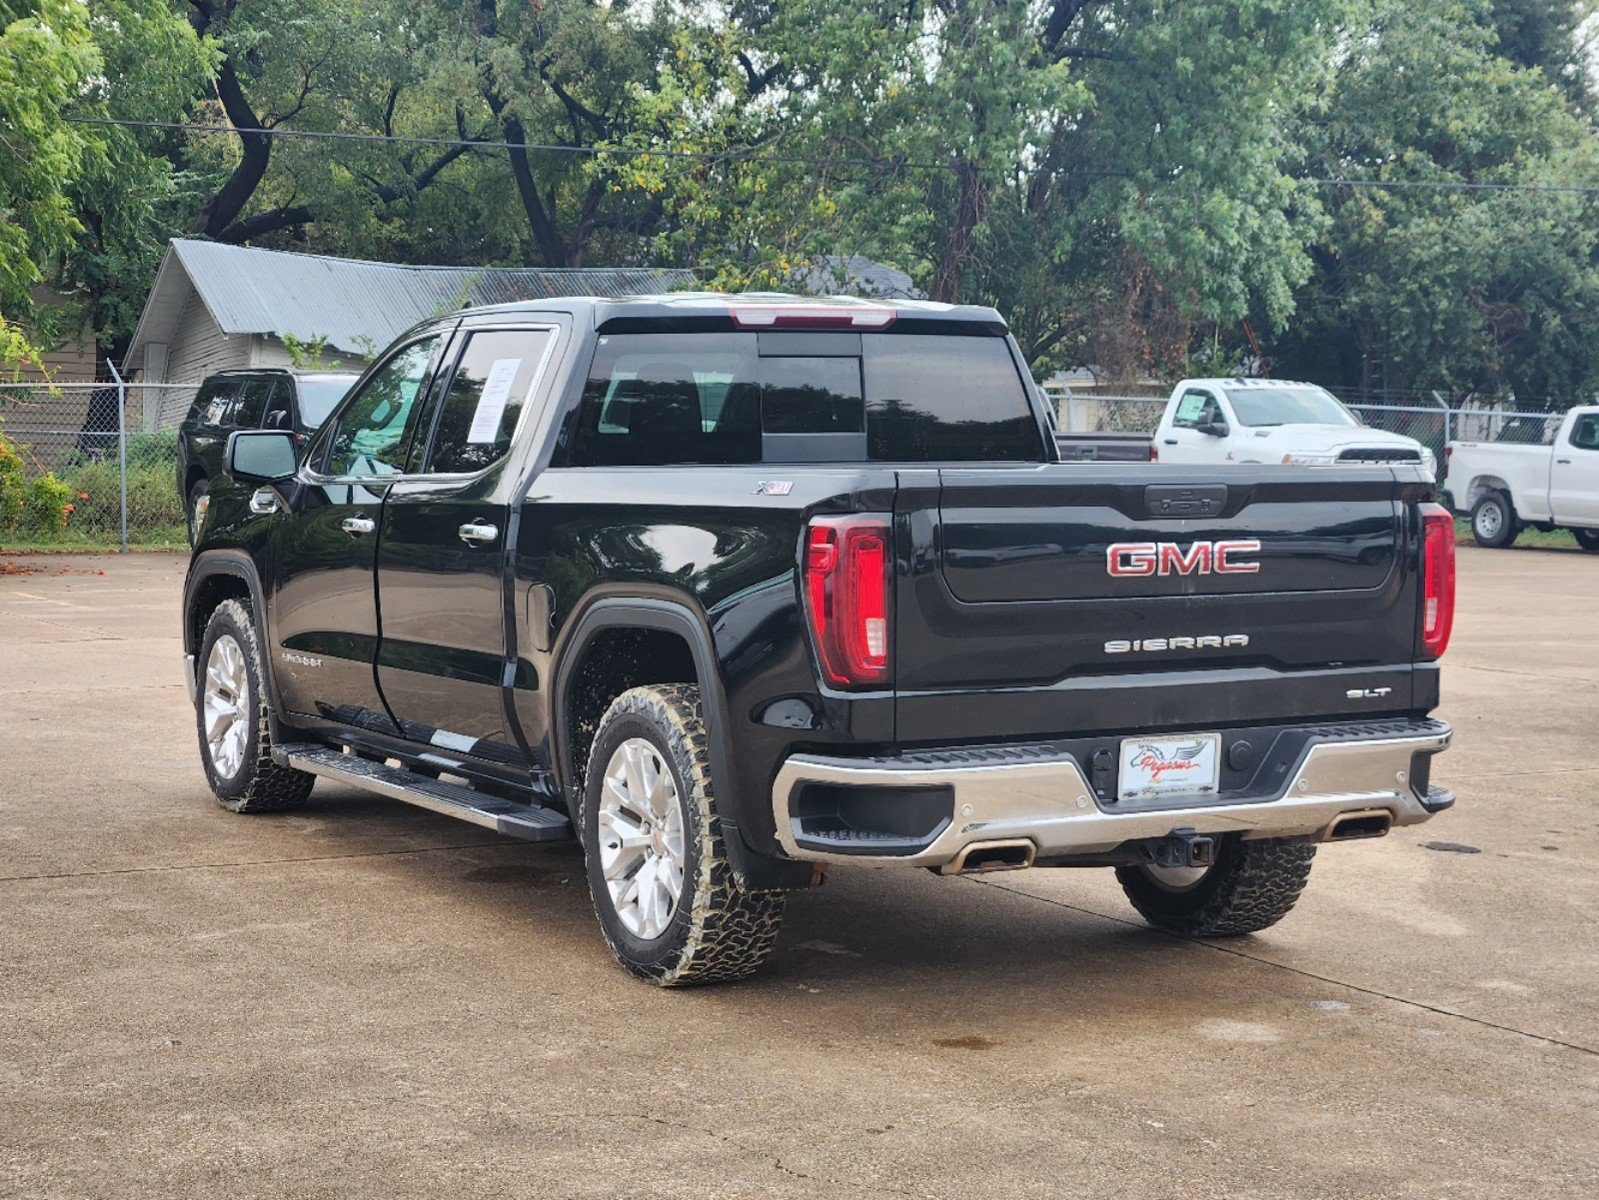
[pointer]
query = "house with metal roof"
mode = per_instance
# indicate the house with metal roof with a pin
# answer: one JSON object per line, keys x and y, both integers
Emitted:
{"x": 215, "y": 307}
{"x": 854, "y": 275}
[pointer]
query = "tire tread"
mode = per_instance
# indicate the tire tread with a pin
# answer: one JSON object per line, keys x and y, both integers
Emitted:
{"x": 730, "y": 931}
{"x": 1261, "y": 881}
{"x": 268, "y": 787}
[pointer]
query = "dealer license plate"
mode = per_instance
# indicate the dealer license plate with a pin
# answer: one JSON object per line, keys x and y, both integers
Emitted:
{"x": 1189, "y": 765}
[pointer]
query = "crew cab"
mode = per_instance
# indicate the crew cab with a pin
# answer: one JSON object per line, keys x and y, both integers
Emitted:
{"x": 738, "y": 589}
{"x": 1507, "y": 485}
{"x": 1274, "y": 421}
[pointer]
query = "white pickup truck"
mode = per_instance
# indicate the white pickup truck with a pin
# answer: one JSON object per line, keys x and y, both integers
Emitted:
{"x": 1506, "y": 486}
{"x": 1273, "y": 421}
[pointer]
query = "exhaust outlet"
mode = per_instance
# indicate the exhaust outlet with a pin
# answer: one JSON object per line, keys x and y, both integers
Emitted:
{"x": 1012, "y": 855}
{"x": 1371, "y": 823}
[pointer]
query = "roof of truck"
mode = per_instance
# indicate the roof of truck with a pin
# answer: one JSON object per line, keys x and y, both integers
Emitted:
{"x": 860, "y": 312}
{"x": 1241, "y": 381}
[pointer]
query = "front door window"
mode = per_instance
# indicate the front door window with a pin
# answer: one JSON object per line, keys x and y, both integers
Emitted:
{"x": 375, "y": 428}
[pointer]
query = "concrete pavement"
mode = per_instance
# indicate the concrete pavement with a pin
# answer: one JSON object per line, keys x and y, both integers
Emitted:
{"x": 364, "y": 999}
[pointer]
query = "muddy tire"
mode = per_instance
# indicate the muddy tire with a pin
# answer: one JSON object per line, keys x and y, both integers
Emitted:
{"x": 1493, "y": 521}
{"x": 231, "y": 716}
{"x": 657, "y": 865}
{"x": 1250, "y": 886}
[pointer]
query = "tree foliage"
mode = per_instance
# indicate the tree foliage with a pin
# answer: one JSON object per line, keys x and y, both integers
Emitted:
{"x": 84, "y": 208}
{"x": 1422, "y": 289}
{"x": 1138, "y": 184}
{"x": 46, "y": 57}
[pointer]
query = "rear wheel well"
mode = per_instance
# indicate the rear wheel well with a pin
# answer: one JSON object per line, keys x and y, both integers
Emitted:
{"x": 613, "y": 661}
{"x": 1482, "y": 485}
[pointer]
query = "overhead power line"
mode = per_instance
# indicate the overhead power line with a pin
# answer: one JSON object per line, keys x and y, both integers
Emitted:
{"x": 756, "y": 154}
{"x": 1447, "y": 185}
{"x": 738, "y": 154}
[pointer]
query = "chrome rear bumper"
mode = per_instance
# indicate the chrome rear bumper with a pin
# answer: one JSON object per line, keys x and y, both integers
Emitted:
{"x": 1045, "y": 798}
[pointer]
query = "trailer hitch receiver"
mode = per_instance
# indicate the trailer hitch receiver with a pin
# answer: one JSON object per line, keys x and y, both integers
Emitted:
{"x": 1183, "y": 848}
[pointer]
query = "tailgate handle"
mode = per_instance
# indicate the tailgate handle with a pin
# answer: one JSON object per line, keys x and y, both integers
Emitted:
{"x": 1181, "y": 500}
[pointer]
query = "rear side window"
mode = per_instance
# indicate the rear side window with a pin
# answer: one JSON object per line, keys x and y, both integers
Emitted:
{"x": 251, "y": 408}
{"x": 215, "y": 399}
{"x": 659, "y": 399}
{"x": 486, "y": 398}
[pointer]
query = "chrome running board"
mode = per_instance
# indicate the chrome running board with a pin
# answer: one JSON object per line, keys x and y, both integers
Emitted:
{"x": 528, "y": 822}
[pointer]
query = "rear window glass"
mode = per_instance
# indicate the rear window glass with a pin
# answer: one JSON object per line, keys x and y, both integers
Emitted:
{"x": 216, "y": 397}
{"x": 656, "y": 399}
{"x": 959, "y": 399}
{"x": 318, "y": 395}
{"x": 811, "y": 395}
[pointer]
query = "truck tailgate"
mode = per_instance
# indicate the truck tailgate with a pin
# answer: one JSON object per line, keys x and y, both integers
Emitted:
{"x": 1099, "y": 594}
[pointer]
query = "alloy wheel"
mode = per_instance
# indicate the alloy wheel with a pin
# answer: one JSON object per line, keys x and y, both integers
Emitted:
{"x": 1175, "y": 879}
{"x": 641, "y": 838}
{"x": 227, "y": 706}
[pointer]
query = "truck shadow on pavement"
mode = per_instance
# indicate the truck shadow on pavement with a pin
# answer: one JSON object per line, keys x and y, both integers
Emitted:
{"x": 870, "y": 935}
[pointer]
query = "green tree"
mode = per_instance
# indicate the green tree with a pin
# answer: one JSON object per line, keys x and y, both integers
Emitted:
{"x": 1082, "y": 153}
{"x": 47, "y": 57}
{"x": 82, "y": 206}
{"x": 1458, "y": 291}
{"x": 128, "y": 194}
{"x": 1552, "y": 36}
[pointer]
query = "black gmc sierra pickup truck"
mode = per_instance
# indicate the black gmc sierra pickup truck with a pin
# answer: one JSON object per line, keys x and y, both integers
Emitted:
{"x": 731, "y": 588}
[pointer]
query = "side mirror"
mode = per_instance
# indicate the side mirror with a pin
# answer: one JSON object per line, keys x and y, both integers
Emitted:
{"x": 278, "y": 418}
{"x": 1217, "y": 426}
{"x": 261, "y": 456}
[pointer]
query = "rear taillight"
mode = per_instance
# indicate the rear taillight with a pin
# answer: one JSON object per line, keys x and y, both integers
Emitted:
{"x": 1437, "y": 579}
{"x": 847, "y": 565}
{"x": 1154, "y": 452}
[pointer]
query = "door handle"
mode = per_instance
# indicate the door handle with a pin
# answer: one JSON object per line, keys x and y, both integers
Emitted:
{"x": 1565, "y": 462}
{"x": 263, "y": 501}
{"x": 478, "y": 533}
{"x": 358, "y": 526}
{"x": 1171, "y": 441}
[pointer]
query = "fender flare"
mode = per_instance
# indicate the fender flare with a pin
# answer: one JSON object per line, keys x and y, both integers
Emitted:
{"x": 667, "y": 614}
{"x": 207, "y": 565}
{"x": 235, "y": 564}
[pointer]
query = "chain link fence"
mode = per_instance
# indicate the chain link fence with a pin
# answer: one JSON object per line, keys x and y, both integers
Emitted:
{"x": 1107, "y": 414}
{"x": 91, "y": 465}
{"x": 94, "y": 465}
{"x": 1434, "y": 425}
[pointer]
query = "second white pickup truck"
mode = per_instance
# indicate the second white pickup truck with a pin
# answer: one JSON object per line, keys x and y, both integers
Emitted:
{"x": 1507, "y": 486}
{"x": 1273, "y": 421}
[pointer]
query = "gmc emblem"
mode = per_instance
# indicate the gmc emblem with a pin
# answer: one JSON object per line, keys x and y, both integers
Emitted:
{"x": 1168, "y": 558}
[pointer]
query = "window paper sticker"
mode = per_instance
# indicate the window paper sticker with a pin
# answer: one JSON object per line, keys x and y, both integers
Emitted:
{"x": 491, "y": 404}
